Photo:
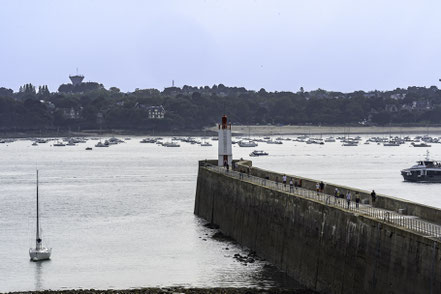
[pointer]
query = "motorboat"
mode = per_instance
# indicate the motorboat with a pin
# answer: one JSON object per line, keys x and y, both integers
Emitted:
{"x": 148, "y": 140}
{"x": 420, "y": 144}
{"x": 350, "y": 143}
{"x": 88, "y": 148}
{"x": 59, "y": 144}
{"x": 424, "y": 171}
{"x": 39, "y": 252}
{"x": 274, "y": 142}
{"x": 244, "y": 143}
{"x": 256, "y": 153}
{"x": 171, "y": 144}
{"x": 206, "y": 144}
{"x": 100, "y": 144}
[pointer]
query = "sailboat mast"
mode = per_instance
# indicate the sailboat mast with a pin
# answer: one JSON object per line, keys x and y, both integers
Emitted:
{"x": 38, "y": 219}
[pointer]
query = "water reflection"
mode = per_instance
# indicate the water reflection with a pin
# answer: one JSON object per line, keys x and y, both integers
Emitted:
{"x": 38, "y": 274}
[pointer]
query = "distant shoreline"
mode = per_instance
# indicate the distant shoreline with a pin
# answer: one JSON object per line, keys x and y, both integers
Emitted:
{"x": 176, "y": 290}
{"x": 326, "y": 130}
{"x": 238, "y": 130}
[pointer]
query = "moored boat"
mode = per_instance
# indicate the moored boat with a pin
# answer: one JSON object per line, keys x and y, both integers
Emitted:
{"x": 39, "y": 252}
{"x": 424, "y": 171}
{"x": 256, "y": 153}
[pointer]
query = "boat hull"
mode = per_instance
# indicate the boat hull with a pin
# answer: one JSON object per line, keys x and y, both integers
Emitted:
{"x": 415, "y": 177}
{"x": 40, "y": 254}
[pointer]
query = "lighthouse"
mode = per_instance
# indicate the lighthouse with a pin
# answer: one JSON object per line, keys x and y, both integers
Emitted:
{"x": 225, "y": 151}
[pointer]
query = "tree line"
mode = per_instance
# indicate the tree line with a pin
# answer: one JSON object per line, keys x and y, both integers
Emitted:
{"x": 92, "y": 106}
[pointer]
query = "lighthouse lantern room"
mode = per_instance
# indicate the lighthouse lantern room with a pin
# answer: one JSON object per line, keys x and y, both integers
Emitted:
{"x": 224, "y": 143}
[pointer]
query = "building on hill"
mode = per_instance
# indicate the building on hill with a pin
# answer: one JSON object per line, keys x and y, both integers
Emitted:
{"x": 70, "y": 113}
{"x": 156, "y": 112}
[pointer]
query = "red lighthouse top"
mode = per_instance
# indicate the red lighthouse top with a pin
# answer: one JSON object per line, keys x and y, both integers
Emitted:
{"x": 225, "y": 124}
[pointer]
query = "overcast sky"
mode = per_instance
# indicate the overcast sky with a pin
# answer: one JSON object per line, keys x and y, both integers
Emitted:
{"x": 341, "y": 45}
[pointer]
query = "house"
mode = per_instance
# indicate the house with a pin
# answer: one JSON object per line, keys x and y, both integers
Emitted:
{"x": 398, "y": 96}
{"x": 71, "y": 113}
{"x": 155, "y": 112}
{"x": 391, "y": 108}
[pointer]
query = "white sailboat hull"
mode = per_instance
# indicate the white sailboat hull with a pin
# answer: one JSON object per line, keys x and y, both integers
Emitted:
{"x": 40, "y": 254}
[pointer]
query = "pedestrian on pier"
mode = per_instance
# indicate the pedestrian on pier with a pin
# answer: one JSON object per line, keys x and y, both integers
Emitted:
{"x": 373, "y": 196}
{"x": 241, "y": 174}
{"x": 277, "y": 182}
{"x": 336, "y": 195}
{"x": 284, "y": 180}
{"x": 228, "y": 167}
{"x": 291, "y": 186}
{"x": 317, "y": 188}
{"x": 348, "y": 198}
{"x": 357, "y": 199}
{"x": 322, "y": 186}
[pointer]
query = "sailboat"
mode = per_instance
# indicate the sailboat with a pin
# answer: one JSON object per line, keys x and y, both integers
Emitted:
{"x": 39, "y": 252}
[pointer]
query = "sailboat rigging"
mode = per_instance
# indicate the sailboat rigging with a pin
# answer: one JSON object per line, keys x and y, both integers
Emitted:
{"x": 39, "y": 252}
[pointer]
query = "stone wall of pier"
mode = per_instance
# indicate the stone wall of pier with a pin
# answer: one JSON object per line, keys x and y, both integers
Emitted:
{"x": 328, "y": 249}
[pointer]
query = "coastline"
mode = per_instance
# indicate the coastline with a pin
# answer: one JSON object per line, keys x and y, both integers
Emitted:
{"x": 175, "y": 290}
{"x": 238, "y": 130}
{"x": 327, "y": 130}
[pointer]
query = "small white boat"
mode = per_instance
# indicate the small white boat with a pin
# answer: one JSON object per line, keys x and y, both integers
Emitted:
{"x": 39, "y": 252}
{"x": 420, "y": 144}
{"x": 256, "y": 153}
{"x": 171, "y": 144}
{"x": 244, "y": 143}
{"x": 100, "y": 144}
{"x": 206, "y": 144}
{"x": 274, "y": 142}
{"x": 59, "y": 144}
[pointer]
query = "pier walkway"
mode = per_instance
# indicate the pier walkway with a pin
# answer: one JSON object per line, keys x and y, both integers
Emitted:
{"x": 408, "y": 222}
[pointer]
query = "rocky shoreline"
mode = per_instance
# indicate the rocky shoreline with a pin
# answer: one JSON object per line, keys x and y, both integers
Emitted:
{"x": 176, "y": 290}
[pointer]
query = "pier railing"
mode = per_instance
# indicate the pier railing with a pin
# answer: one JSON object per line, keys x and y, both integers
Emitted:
{"x": 405, "y": 221}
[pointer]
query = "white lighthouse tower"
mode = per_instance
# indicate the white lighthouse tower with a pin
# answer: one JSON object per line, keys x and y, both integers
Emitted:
{"x": 224, "y": 144}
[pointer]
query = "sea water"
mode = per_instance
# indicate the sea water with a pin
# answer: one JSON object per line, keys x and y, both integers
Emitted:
{"x": 122, "y": 217}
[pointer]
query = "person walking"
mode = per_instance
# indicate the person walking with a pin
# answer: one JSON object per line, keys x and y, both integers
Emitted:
{"x": 322, "y": 186}
{"x": 291, "y": 186}
{"x": 348, "y": 198}
{"x": 284, "y": 180}
{"x": 317, "y": 188}
{"x": 373, "y": 196}
{"x": 357, "y": 199}
{"x": 336, "y": 195}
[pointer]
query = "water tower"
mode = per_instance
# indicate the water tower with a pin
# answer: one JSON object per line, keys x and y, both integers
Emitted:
{"x": 76, "y": 79}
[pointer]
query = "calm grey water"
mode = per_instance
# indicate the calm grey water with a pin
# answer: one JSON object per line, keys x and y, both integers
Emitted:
{"x": 122, "y": 217}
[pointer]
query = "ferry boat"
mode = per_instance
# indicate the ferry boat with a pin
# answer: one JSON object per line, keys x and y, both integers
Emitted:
{"x": 424, "y": 171}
